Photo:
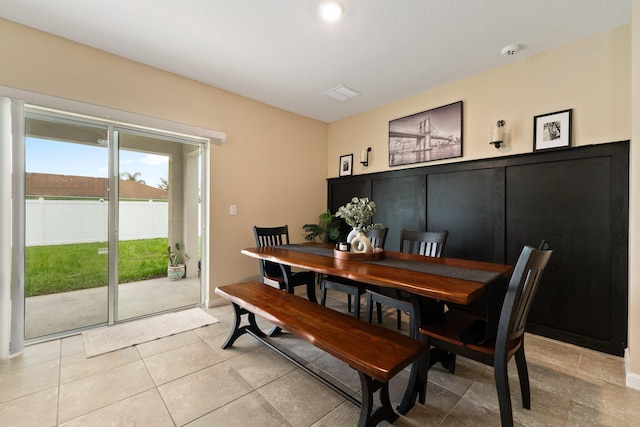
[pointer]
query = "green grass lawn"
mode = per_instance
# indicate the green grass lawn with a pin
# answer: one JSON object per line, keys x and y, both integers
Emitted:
{"x": 62, "y": 268}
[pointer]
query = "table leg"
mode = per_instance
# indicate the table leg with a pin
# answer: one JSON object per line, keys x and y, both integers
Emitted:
{"x": 425, "y": 308}
{"x": 416, "y": 387}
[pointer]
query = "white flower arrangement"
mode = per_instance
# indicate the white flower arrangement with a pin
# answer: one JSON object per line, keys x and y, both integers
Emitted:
{"x": 358, "y": 213}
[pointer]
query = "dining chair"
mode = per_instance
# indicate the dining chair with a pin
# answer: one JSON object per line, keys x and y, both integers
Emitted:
{"x": 446, "y": 332}
{"x": 378, "y": 237}
{"x": 427, "y": 243}
{"x": 277, "y": 275}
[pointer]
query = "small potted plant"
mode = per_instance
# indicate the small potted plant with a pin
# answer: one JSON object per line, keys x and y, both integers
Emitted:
{"x": 176, "y": 269}
{"x": 329, "y": 226}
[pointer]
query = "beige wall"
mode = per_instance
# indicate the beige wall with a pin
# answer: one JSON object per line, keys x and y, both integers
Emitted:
{"x": 592, "y": 76}
{"x": 272, "y": 164}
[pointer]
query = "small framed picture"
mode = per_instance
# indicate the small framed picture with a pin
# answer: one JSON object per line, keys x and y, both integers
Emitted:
{"x": 552, "y": 130}
{"x": 346, "y": 165}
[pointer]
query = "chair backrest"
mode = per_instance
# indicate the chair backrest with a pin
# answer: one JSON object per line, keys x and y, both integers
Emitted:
{"x": 428, "y": 243}
{"x": 378, "y": 236}
{"x": 520, "y": 293}
{"x": 271, "y": 236}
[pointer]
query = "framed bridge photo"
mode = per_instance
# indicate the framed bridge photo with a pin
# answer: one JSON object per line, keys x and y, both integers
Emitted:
{"x": 424, "y": 137}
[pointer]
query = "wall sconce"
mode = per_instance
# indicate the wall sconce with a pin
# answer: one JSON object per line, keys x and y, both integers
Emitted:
{"x": 364, "y": 156}
{"x": 497, "y": 133}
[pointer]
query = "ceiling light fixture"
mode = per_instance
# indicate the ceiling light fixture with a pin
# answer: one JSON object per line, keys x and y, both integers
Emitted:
{"x": 331, "y": 10}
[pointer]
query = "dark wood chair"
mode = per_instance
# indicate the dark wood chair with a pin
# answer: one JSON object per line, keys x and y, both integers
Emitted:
{"x": 447, "y": 333}
{"x": 277, "y": 275}
{"x": 427, "y": 243}
{"x": 378, "y": 238}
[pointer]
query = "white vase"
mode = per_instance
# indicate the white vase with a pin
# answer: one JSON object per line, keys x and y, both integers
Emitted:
{"x": 352, "y": 234}
{"x": 361, "y": 243}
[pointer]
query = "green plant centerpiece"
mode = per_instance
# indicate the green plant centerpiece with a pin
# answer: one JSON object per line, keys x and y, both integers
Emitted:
{"x": 176, "y": 270}
{"x": 329, "y": 229}
{"x": 358, "y": 213}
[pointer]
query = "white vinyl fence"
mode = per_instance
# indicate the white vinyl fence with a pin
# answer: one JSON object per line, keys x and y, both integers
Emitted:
{"x": 56, "y": 222}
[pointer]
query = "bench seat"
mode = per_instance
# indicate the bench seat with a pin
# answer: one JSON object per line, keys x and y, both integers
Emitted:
{"x": 377, "y": 353}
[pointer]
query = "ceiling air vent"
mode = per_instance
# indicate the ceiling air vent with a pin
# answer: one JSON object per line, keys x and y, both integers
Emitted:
{"x": 341, "y": 93}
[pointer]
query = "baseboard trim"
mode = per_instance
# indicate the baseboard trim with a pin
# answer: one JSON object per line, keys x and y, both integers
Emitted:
{"x": 632, "y": 380}
{"x": 217, "y": 302}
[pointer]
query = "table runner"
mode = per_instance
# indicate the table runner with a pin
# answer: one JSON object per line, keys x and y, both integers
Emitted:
{"x": 481, "y": 276}
{"x": 315, "y": 250}
{"x": 473, "y": 275}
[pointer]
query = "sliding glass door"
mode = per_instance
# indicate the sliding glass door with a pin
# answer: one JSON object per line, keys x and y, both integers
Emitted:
{"x": 66, "y": 226}
{"x": 158, "y": 209}
{"x": 105, "y": 207}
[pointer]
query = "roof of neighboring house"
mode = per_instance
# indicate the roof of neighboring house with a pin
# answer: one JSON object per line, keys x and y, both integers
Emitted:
{"x": 44, "y": 184}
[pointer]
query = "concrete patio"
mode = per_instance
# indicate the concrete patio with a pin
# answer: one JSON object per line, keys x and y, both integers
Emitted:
{"x": 49, "y": 314}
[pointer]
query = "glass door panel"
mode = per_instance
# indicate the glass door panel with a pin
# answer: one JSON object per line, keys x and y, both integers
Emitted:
{"x": 97, "y": 256}
{"x": 66, "y": 226}
{"x": 157, "y": 208}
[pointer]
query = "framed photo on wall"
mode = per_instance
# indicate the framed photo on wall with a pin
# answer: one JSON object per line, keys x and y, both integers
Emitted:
{"x": 434, "y": 134}
{"x": 346, "y": 165}
{"x": 552, "y": 130}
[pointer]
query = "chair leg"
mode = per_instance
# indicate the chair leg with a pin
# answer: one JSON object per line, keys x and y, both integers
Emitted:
{"x": 369, "y": 307}
{"x": 504, "y": 396}
{"x": 413, "y": 328}
{"x": 523, "y": 375}
{"x": 323, "y": 293}
{"x": 349, "y": 303}
{"x": 311, "y": 290}
{"x": 356, "y": 306}
{"x": 450, "y": 363}
{"x": 379, "y": 309}
{"x": 399, "y": 321}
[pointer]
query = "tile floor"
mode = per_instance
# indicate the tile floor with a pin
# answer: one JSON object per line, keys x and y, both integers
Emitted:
{"x": 187, "y": 379}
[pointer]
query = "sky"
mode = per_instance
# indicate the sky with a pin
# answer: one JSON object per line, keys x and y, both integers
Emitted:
{"x": 62, "y": 158}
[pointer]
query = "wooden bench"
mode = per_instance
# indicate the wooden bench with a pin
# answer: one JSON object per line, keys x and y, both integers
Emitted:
{"x": 375, "y": 352}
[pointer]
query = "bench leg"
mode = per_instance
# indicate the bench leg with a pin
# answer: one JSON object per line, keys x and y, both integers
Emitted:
{"x": 274, "y": 331}
{"x": 237, "y": 330}
{"x": 416, "y": 387}
{"x": 384, "y": 412}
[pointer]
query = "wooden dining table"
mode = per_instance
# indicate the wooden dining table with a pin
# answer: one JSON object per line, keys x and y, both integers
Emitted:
{"x": 424, "y": 279}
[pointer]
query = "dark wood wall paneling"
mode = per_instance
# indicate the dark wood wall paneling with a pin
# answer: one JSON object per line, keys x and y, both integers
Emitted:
{"x": 577, "y": 199}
